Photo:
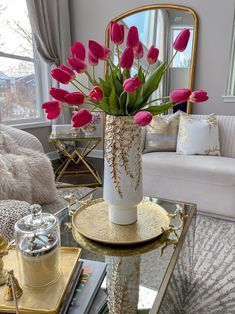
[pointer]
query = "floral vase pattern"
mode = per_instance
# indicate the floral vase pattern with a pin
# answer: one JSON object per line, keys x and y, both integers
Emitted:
{"x": 122, "y": 169}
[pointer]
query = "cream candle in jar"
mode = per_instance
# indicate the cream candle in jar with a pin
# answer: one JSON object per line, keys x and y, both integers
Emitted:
{"x": 38, "y": 248}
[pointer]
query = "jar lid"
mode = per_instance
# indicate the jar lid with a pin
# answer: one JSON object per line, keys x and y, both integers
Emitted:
{"x": 36, "y": 221}
{"x": 38, "y": 232}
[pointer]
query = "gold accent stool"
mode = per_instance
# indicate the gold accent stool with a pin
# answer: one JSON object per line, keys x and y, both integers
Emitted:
{"x": 76, "y": 157}
{"x": 3, "y": 252}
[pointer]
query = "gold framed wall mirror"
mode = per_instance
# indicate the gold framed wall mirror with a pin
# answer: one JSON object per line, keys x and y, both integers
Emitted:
{"x": 159, "y": 25}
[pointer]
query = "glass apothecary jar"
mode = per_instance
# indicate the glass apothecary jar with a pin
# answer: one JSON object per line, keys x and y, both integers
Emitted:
{"x": 38, "y": 248}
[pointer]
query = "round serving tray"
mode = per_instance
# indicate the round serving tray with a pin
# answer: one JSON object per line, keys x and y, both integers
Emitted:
{"x": 92, "y": 221}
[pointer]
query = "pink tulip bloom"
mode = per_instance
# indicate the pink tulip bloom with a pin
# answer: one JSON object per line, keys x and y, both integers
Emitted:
{"x": 131, "y": 84}
{"x": 132, "y": 37}
{"x": 62, "y": 75}
{"x": 58, "y": 93}
{"x": 91, "y": 59}
{"x": 96, "y": 94}
{"x": 96, "y": 49}
{"x": 116, "y": 33}
{"x": 198, "y": 96}
{"x": 52, "y": 108}
{"x": 181, "y": 40}
{"x": 78, "y": 65}
{"x": 68, "y": 70}
{"x": 81, "y": 118}
{"x": 75, "y": 98}
{"x": 127, "y": 58}
{"x": 143, "y": 118}
{"x": 107, "y": 53}
{"x": 152, "y": 55}
{"x": 180, "y": 95}
{"x": 78, "y": 50}
{"x": 139, "y": 51}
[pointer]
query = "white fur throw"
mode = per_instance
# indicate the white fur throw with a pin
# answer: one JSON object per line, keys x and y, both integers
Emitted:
{"x": 25, "y": 174}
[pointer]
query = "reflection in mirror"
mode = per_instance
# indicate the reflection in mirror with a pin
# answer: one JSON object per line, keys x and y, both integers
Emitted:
{"x": 160, "y": 27}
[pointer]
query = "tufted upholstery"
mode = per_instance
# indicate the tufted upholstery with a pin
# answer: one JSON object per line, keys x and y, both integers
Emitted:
{"x": 208, "y": 181}
{"x": 23, "y": 138}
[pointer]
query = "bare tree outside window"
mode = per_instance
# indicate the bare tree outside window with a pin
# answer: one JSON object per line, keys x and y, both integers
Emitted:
{"x": 18, "y": 85}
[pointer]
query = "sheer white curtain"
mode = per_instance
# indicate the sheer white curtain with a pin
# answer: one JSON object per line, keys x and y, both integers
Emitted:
{"x": 50, "y": 23}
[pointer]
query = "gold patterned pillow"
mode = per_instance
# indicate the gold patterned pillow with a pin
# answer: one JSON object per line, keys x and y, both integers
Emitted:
{"x": 198, "y": 135}
{"x": 161, "y": 133}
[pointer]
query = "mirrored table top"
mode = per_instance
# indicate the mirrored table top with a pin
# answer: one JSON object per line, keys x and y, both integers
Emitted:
{"x": 147, "y": 278}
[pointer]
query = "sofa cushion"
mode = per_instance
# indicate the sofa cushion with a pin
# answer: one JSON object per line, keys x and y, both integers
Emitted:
{"x": 198, "y": 136}
{"x": 161, "y": 133}
{"x": 208, "y": 169}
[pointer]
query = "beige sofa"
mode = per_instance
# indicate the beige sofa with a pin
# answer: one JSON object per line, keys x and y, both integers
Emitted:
{"x": 208, "y": 181}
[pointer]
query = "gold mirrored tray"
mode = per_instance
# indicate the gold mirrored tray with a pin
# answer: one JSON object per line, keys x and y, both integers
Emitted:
{"x": 92, "y": 221}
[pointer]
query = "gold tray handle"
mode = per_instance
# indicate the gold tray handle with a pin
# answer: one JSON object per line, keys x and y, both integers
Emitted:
{"x": 165, "y": 238}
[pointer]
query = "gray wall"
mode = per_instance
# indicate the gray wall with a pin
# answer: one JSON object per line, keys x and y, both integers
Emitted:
{"x": 89, "y": 19}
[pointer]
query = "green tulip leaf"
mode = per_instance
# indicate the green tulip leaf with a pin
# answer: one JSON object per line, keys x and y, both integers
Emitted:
{"x": 140, "y": 75}
{"x": 155, "y": 110}
{"x": 153, "y": 80}
{"x": 113, "y": 102}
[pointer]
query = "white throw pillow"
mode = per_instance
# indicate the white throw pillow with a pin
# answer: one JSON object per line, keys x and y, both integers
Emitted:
{"x": 198, "y": 135}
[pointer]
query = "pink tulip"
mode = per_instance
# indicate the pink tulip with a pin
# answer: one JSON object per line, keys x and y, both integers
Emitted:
{"x": 63, "y": 74}
{"x": 181, "y": 40}
{"x": 127, "y": 58}
{"x": 132, "y": 37}
{"x": 67, "y": 69}
{"x": 78, "y": 65}
{"x": 139, "y": 51}
{"x": 131, "y": 84}
{"x": 75, "y": 98}
{"x": 107, "y": 53}
{"x": 91, "y": 59}
{"x": 152, "y": 55}
{"x": 78, "y": 50}
{"x": 198, "y": 96}
{"x": 58, "y": 93}
{"x": 81, "y": 118}
{"x": 96, "y": 94}
{"x": 143, "y": 118}
{"x": 116, "y": 33}
{"x": 180, "y": 95}
{"x": 52, "y": 108}
{"x": 96, "y": 49}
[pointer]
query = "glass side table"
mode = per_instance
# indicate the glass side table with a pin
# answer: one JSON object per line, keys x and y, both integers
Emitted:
{"x": 77, "y": 157}
{"x": 150, "y": 278}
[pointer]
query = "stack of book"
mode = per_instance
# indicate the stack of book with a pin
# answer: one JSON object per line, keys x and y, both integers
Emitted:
{"x": 86, "y": 296}
{"x": 77, "y": 291}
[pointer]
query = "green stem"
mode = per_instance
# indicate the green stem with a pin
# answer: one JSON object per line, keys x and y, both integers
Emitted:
{"x": 93, "y": 82}
{"x": 147, "y": 70}
{"x": 77, "y": 87}
{"x": 81, "y": 84}
{"x": 165, "y": 97}
{"x": 93, "y": 72}
{"x": 118, "y": 53}
{"x": 170, "y": 62}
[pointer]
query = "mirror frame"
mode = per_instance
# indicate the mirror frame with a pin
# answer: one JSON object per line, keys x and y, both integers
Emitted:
{"x": 195, "y": 35}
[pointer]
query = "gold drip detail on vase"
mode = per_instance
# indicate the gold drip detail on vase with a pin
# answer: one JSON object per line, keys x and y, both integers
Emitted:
{"x": 121, "y": 135}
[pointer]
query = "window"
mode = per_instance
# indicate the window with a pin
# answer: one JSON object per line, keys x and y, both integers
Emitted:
{"x": 20, "y": 67}
{"x": 183, "y": 59}
{"x": 141, "y": 21}
{"x": 231, "y": 82}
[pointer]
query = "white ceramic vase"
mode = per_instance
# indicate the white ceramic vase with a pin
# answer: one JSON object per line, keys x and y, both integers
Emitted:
{"x": 122, "y": 169}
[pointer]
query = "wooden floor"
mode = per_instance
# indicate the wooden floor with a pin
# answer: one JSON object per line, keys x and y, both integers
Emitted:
{"x": 81, "y": 179}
